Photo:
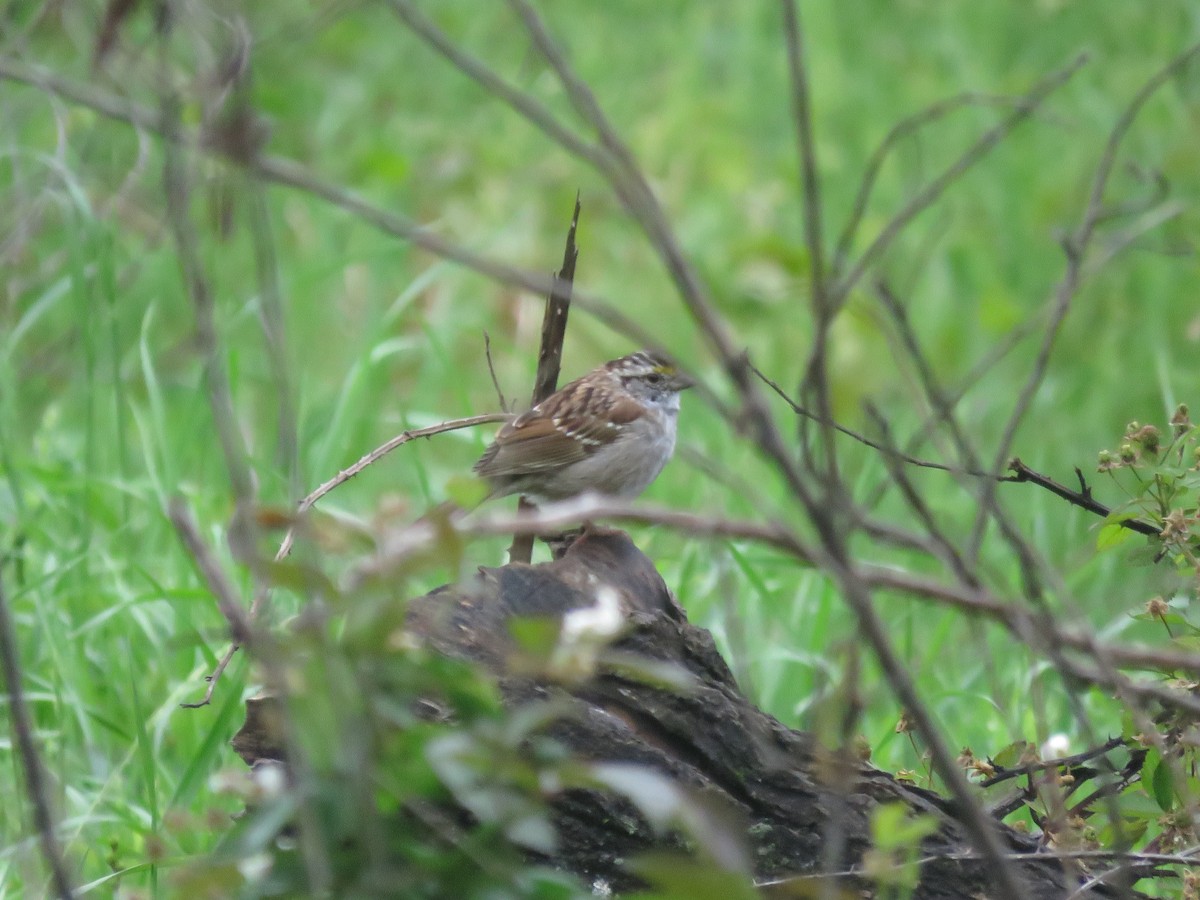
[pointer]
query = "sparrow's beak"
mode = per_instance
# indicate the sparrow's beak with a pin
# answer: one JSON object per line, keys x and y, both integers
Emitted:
{"x": 681, "y": 382}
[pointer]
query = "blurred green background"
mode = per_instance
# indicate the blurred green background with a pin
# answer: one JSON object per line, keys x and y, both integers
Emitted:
{"x": 103, "y": 415}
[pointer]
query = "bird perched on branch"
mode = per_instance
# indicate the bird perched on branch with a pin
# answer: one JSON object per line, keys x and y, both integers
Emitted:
{"x": 611, "y": 432}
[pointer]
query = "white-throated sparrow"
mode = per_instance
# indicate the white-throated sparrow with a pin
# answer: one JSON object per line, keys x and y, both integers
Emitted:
{"x": 611, "y": 431}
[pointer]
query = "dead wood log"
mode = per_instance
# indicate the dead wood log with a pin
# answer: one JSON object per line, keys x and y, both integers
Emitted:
{"x": 794, "y": 797}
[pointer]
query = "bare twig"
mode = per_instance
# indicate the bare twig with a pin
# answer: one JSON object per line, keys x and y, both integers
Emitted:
{"x": 213, "y": 677}
{"x": 1118, "y": 875}
{"x": 899, "y": 132}
{"x": 226, "y": 594}
{"x": 274, "y": 330}
{"x": 27, "y": 752}
{"x": 289, "y": 173}
{"x": 220, "y": 396}
{"x": 814, "y": 235}
{"x": 262, "y": 594}
{"x": 625, "y": 178}
{"x": 815, "y": 382}
{"x": 378, "y": 453}
{"x": 591, "y": 507}
{"x": 525, "y": 104}
{"x": 487, "y": 352}
{"x": 1037, "y": 629}
{"x": 1082, "y": 498}
{"x": 1188, "y": 857}
{"x": 953, "y": 397}
{"x": 934, "y": 394}
{"x": 1149, "y": 221}
{"x": 1075, "y": 248}
{"x": 883, "y": 449}
{"x": 554, "y": 331}
{"x": 241, "y": 627}
{"x": 983, "y": 830}
{"x": 1004, "y": 773}
{"x": 554, "y": 321}
{"x": 943, "y": 546}
{"x": 1025, "y": 106}
{"x": 1031, "y": 565}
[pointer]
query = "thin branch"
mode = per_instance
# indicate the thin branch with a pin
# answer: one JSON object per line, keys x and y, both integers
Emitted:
{"x": 402, "y": 543}
{"x": 902, "y": 129}
{"x": 883, "y": 449}
{"x": 814, "y": 236}
{"x": 226, "y": 594}
{"x": 263, "y": 594}
{"x": 1075, "y": 248}
{"x": 1188, "y": 857}
{"x": 554, "y": 332}
{"x": 943, "y": 412}
{"x": 1109, "y": 790}
{"x": 289, "y": 173}
{"x": 213, "y": 677}
{"x": 943, "y": 547}
{"x": 274, "y": 329}
{"x": 378, "y": 453}
{"x": 1031, "y": 564}
{"x": 524, "y": 104}
{"x": 27, "y": 752}
{"x": 1004, "y": 773}
{"x": 1119, "y": 875}
{"x": 1042, "y": 634}
{"x": 1025, "y": 106}
{"x": 954, "y": 396}
{"x": 312, "y": 842}
{"x": 487, "y": 352}
{"x": 625, "y": 177}
{"x": 1082, "y": 498}
{"x": 943, "y": 409}
{"x": 816, "y": 375}
{"x": 220, "y": 395}
{"x": 984, "y": 831}
{"x": 1151, "y": 220}
{"x": 594, "y": 508}
{"x": 554, "y": 320}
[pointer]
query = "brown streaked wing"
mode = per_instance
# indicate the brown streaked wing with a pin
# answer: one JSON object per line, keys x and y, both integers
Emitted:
{"x": 532, "y": 445}
{"x": 533, "y": 442}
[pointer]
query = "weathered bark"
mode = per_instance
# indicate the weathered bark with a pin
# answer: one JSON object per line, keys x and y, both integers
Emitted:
{"x": 711, "y": 738}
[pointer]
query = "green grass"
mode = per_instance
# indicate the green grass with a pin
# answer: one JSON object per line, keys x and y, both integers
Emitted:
{"x": 103, "y": 414}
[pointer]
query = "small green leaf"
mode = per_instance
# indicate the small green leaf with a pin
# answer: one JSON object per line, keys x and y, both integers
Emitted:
{"x": 1161, "y": 785}
{"x": 1011, "y": 756}
{"x": 1112, "y": 535}
{"x": 1187, "y": 641}
{"x": 886, "y": 820}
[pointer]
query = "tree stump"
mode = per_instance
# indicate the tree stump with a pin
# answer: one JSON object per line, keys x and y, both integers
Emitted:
{"x": 794, "y": 797}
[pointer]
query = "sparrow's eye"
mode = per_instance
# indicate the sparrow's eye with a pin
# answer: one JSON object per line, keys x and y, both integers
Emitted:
{"x": 655, "y": 378}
